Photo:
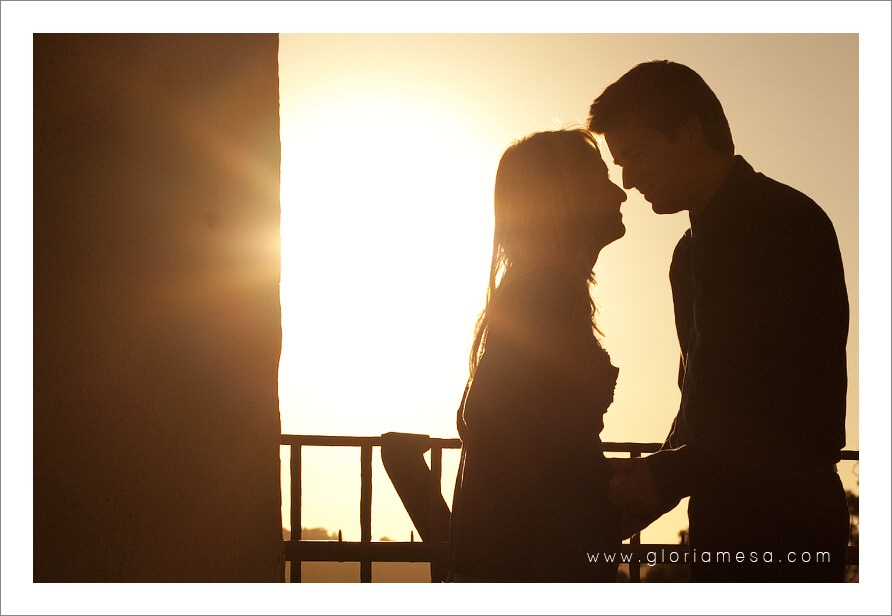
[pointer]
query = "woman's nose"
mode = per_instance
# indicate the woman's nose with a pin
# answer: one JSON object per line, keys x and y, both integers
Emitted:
{"x": 622, "y": 194}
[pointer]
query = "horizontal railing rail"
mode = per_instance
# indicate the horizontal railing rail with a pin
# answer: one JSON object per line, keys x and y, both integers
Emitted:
{"x": 365, "y": 551}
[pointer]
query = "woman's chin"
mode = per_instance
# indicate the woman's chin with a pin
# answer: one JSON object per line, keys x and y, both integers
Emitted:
{"x": 618, "y": 234}
{"x": 622, "y": 231}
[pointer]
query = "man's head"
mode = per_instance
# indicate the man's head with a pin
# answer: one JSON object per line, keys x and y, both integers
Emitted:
{"x": 665, "y": 127}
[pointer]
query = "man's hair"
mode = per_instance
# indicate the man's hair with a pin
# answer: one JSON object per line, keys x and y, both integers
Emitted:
{"x": 662, "y": 95}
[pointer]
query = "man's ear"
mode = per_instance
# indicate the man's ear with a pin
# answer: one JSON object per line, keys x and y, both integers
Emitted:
{"x": 690, "y": 131}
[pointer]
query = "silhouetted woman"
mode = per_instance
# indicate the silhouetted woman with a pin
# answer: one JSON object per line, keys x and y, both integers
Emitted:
{"x": 530, "y": 497}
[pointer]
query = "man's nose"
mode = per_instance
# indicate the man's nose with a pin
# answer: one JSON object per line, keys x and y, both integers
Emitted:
{"x": 629, "y": 179}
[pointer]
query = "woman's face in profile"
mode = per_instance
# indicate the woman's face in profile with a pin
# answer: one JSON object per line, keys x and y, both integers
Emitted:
{"x": 604, "y": 198}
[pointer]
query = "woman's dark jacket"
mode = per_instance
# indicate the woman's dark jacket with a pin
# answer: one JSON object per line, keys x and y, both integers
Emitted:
{"x": 530, "y": 497}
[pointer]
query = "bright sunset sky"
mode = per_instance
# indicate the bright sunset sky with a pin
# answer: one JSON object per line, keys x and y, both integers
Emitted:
{"x": 389, "y": 150}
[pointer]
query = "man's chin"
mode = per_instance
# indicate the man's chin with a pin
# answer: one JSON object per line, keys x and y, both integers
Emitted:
{"x": 664, "y": 208}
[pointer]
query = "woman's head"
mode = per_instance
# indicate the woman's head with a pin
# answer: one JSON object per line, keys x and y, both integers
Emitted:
{"x": 554, "y": 206}
{"x": 554, "y": 203}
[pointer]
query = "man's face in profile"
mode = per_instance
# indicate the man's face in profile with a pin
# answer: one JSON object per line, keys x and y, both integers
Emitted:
{"x": 658, "y": 167}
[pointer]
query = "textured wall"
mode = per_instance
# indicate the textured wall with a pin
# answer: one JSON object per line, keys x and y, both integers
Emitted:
{"x": 157, "y": 325}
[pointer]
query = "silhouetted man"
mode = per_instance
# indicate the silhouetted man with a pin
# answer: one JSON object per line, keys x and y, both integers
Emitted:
{"x": 762, "y": 314}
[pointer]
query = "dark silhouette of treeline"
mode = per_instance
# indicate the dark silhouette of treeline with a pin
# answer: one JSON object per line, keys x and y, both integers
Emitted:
{"x": 852, "y": 500}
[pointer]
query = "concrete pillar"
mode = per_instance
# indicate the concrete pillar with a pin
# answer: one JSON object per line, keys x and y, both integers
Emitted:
{"x": 157, "y": 326}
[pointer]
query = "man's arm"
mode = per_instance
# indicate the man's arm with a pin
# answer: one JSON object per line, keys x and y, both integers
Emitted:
{"x": 765, "y": 379}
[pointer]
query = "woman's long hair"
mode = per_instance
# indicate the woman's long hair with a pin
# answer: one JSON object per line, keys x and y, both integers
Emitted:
{"x": 540, "y": 202}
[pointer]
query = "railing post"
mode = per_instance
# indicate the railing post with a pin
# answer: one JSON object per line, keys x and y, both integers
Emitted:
{"x": 436, "y": 478}
{"x": 365, "y": 509}
{"x": 295, "y": 512}
{"x": 635, "y": 540}
{"x": 438, "y": 567}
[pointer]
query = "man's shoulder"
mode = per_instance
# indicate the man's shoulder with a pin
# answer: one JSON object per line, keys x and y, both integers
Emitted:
{"x": 682, "y": 246}
{"x": 761, "y": 215}
{"x": 769, "y": 198}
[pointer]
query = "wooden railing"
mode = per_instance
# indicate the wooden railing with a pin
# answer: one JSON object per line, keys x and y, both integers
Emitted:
{"x": 365, "y": 551}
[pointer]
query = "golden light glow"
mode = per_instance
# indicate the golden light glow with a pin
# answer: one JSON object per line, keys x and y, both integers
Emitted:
{"x": 385, "y": 206}
{"x": 386, "y": 220}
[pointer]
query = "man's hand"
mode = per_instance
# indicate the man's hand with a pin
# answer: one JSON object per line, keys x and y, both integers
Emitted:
{"x": 632, "y": 487}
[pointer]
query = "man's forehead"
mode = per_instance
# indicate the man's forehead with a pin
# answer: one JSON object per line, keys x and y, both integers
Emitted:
{"x": 631, "y": 130}
{"x": 627, "y": 136}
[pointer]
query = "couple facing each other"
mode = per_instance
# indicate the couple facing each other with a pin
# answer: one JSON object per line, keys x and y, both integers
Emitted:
{"x": 761, "y": 313}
